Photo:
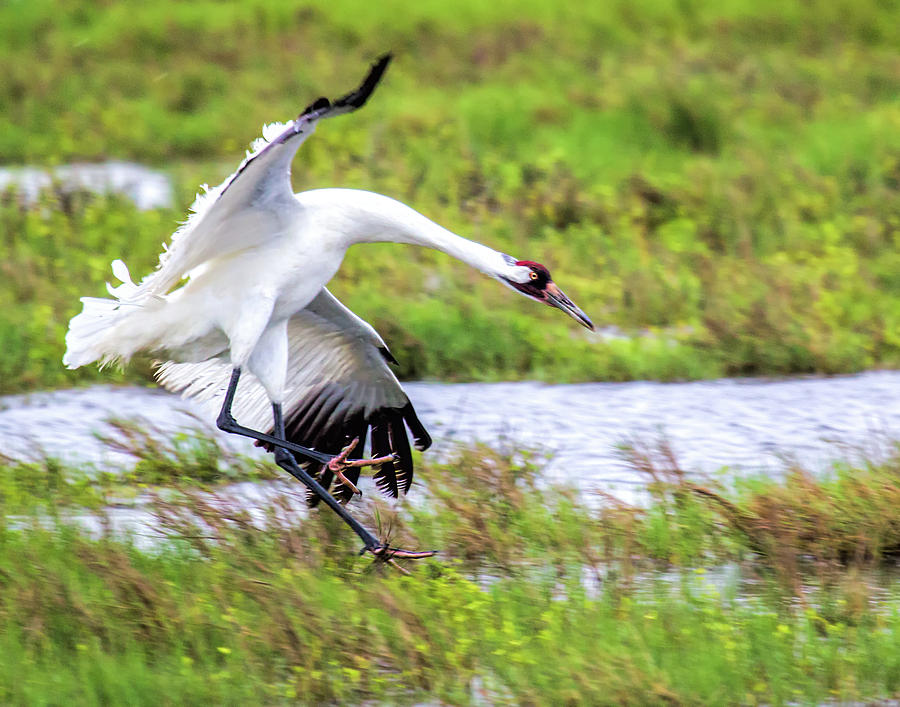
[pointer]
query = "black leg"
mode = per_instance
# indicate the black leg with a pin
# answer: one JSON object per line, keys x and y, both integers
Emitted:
{"x": 286, "y": 461}
{"x": 227, "y": 423}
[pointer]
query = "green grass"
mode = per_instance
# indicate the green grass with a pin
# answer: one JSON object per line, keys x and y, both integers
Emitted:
{"x": 721, "y": 177}
{"x": 707, "y": 594}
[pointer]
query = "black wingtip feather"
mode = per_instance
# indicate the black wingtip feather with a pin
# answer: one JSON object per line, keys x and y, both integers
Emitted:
{"x": 402, "y": 453}
{"x": 319, "y": 422}
{"x": 386, "y": 476}
{"x": 420, "y": 434}
{"x": 321, "y": 474}
{"x": 322, "y": 107}
{"x": 318, "y": 104}
{"x": 358, "y": 98}
{"x": 387, "y": 355}
{"x": 333, "y": 441}
{"x": 345, "y": 493}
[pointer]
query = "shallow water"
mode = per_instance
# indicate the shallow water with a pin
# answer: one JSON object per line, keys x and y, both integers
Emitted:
{"x": 147, "y": 188}
{"x": 748, "y": 425}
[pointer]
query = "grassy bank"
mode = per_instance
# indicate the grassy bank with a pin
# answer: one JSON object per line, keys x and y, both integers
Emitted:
{"x": 720, "y": 179}
{"x": 763, "y": 593}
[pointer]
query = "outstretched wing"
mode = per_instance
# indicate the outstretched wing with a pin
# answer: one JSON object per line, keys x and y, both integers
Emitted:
{"x": 254, "y": 204}
{"x": 339, "y": 386}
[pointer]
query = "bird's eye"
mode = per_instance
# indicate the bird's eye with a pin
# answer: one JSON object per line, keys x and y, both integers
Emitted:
{"x": 534, "y": 275}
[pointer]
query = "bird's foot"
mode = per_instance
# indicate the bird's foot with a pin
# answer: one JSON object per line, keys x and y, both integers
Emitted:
{"x": 384, "y": 553}
{"x": 340, "y": 462}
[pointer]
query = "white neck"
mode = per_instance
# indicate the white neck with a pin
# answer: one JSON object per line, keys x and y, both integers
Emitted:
{"x": 356, "y": 216}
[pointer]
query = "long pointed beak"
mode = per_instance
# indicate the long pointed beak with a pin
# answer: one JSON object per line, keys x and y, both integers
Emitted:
{"x": 555, "y": 298}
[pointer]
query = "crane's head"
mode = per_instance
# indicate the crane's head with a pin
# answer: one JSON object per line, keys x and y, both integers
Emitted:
{"x": 533, "y": 280}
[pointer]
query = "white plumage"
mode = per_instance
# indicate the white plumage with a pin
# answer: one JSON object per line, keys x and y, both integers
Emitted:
{"x": 327, "y": 345}
{"x": 242, "y": 286}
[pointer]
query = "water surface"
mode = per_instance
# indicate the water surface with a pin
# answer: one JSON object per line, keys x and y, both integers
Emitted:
{"x": 146, "y": 187}
{"x": 747, "y": 425}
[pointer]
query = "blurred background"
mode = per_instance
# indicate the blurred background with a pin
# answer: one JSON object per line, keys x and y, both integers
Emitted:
{"x": 716, "y": 184}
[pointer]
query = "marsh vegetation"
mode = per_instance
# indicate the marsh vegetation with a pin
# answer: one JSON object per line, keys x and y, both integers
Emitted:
{"x": 720, "y": 182}
{"x": 761, "y": 592}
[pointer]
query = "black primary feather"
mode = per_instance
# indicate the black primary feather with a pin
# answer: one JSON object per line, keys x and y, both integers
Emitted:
{"x": 318, "y": 423}
{"x": 386, "y": 476}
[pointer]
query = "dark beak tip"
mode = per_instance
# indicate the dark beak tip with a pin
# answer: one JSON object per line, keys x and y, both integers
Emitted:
{"x": 560, "y": 301}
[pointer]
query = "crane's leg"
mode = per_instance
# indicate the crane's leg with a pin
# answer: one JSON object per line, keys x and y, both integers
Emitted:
{"x": 285, "y": 459}
{"x": 227, "y": 423}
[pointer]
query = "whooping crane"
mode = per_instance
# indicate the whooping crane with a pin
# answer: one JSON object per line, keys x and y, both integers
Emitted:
{"x": 256, "y": 258}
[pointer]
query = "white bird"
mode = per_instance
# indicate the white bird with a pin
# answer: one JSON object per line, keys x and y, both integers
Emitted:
{"x": 242, "y": 288}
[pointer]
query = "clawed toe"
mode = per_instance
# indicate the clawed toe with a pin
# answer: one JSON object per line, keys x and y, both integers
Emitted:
{"x": 371, "y": 462}
{"x": 344, "y": 480}
{"x": 384, "y": 553}
{"x": 339, "y": 463}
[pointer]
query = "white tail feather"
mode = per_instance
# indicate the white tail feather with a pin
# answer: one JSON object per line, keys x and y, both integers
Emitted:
{"x": 88, "y": 338}
{"x": 84, "y": 340}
